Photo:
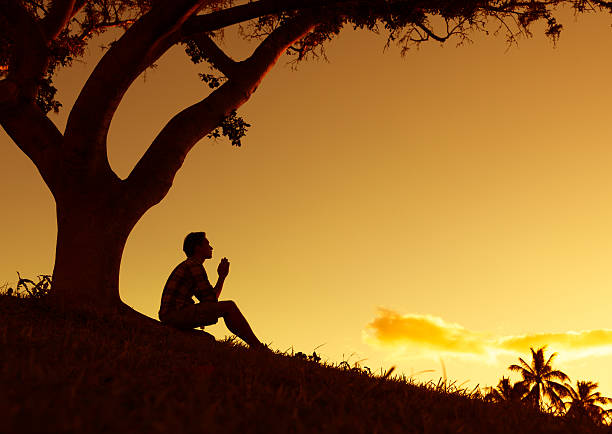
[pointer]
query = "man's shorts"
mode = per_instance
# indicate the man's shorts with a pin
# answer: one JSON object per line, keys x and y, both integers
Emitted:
{"x": 195, "y": 315}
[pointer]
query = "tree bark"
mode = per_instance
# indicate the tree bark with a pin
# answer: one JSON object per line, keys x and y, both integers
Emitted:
{"x": 92, "y": 229}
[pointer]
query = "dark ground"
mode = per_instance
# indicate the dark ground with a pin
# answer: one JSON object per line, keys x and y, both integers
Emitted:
{"x": 71, "y": 373}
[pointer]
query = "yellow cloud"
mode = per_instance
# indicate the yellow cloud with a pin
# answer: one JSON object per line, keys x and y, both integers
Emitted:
{"x": 427, "y": 334}
{"x": 586, "y": 340}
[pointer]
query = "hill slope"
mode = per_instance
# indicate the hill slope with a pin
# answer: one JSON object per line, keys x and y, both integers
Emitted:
{"x": 94, "y": 375}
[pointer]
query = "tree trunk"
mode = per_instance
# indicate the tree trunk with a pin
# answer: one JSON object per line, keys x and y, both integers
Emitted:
{"x": 91, "y": 236}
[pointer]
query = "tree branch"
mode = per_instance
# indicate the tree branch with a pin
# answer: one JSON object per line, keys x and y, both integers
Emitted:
{"x": 87, "y": 32}
{"x": 60, "y": 13}
{"x": 21, "y": 118}
{"x": 215, "y": 55}
{"x": 29, "y": 57}
{"x": 153, "y": 175}
{"x": 431, "y": 34}
{"x": 143, "y": 43}
{"x": 37, "y": 5}
{"x": 33, "y": 132}
{"x": 238, "y": 14}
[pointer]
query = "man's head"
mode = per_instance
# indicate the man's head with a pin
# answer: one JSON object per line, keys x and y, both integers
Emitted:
{"x": 196, "y": 245}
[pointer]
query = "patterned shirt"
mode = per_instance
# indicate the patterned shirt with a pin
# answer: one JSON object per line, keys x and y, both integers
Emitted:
{"x": 188, "y": 279}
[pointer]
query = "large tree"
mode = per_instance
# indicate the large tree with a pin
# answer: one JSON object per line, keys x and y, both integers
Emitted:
{"x": 96, "y": 210}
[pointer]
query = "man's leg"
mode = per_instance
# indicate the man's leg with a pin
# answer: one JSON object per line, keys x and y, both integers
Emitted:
{"x": 192, "y": 316}
{"x": 237, "y": 323}
{"x": 205, "y": 313}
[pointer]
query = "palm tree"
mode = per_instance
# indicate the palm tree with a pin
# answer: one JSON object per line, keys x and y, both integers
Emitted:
{"x": 506, "y": 391}
{"x": 539, "y": 380}
{"x": 585, "y": 402}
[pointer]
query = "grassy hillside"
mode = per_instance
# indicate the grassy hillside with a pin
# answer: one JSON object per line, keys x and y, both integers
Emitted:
{"x": 92, "y": 375}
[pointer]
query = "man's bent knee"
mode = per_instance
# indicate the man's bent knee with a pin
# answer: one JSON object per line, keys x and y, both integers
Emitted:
{"x": 228, "y": 307}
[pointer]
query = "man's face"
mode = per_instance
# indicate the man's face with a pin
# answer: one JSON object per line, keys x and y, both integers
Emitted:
{"x": 205, "y": 249}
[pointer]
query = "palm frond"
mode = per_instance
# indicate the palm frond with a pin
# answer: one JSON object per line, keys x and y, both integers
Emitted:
{"x": 558, "y": 388}
{"x": 525, "y": 364}
{"x": 550, "y": 359}
{"x": 558, "y": 375}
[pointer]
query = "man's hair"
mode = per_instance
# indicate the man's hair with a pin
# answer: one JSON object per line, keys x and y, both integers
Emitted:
{"x": 192, "y": 240}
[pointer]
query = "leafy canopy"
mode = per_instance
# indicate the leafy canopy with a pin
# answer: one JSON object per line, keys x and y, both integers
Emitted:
{"x": 404, "y": 22}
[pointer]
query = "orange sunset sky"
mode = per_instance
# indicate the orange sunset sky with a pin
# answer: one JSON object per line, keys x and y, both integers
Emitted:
{"x": 454, "y": 204}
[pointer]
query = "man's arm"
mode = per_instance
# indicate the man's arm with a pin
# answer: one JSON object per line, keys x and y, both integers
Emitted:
{"x": 202, "y": 289}
{"x": 222, "y": 271}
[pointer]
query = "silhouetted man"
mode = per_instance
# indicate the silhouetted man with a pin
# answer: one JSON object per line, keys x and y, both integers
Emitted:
{"x": 189, "y": 279}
